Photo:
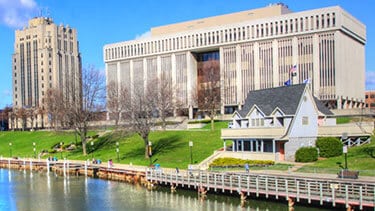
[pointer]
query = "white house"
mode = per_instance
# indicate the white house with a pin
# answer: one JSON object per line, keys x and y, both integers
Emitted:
{"x": 274, "y": 123}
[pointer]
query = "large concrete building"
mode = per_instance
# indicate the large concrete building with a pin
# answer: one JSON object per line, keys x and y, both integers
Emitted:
{"x": 46, "y": 56}
{"x": 256, "y": 49}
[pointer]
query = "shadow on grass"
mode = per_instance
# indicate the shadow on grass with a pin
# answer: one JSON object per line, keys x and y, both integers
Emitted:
{"x": 161, "y": 146}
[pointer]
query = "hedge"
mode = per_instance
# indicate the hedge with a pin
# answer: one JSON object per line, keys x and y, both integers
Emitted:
{"x": 221, "y": 162}
{"x": 306, "y": 154}
{"x": 329, "y": 147}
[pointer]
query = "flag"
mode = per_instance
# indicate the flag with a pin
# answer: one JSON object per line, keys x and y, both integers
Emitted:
{"x": 293, "y": 70}
{"x": 287, "y": 83}
{"x": 306, "y": 81}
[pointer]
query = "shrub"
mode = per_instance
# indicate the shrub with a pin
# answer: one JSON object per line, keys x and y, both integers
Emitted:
{"x": 307, "y": 154}
{"x": 329, "y": 147}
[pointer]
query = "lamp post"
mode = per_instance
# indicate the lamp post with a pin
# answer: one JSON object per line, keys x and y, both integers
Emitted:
{"x": 92, "y": 150}
{"x": 10, "y": 149}
{"x": 150, "y": 152}
{"x": 117, "y": 151}
{"x": 191, "y": 151}
{"x": 344, "y": 136}
{"x": 34, "y": 149}
{"x": 61, "y": 149}
{"x": 345, "y": 151}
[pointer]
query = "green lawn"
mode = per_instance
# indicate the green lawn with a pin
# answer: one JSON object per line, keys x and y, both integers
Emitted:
{"x": 357, "y": 159}
{"x": 170, "y": 148}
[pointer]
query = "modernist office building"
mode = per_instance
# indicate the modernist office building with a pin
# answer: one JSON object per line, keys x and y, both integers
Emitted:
{"x": 46, "y": 56}
{"x": 256, "y": 49}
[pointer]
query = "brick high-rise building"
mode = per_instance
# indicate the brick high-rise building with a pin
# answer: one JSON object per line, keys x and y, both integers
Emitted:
{"x": 46, "y": 56}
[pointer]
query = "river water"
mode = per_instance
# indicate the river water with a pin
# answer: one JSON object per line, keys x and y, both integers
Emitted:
{"x": 34, "y": 191}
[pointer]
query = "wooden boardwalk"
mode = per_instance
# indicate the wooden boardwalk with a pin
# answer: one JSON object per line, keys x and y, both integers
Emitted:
{"x": 311, "y": 190}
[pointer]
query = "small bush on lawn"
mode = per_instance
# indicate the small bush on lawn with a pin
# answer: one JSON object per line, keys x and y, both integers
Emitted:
{"x": 307, "y": 154}
{"x": 222, "y": 162}
{"x": 329, "y": 147}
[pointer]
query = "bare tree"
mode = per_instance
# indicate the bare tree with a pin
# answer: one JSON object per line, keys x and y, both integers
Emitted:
{"x": 93, "y": 95}
{"x": 208, "y": 92}
{"x": 31, "y": 114}
{"x": 140, "y": 112}
{"x": 166, "y": 102}
{"x": 55, "y": 106}
{"x": 22, "y": 115}
{"x": 6, "y": 114}
{"x": 41, "y": 112}
{"x": 116, "y": 100}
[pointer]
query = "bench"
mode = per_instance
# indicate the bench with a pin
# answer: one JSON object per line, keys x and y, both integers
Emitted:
{"x": 346, "y": 174}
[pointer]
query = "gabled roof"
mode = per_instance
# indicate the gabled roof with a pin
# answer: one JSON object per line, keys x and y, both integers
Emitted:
{"x": 286, "y": 98}
{"x": 322, "y": 108}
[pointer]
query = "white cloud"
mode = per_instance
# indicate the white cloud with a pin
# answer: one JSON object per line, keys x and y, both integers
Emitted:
{"x": 146, "y": 34}
{"x": 16, "y": 13}
{"x": 370, "y": 80}
{"x": 7, "y": 92}
{"x": 28, "y": 3}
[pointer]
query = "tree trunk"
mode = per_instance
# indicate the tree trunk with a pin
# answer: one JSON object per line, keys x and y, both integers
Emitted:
{"x": 147, "y": 147}
{"x": 212, "y": 124}
{"x": 83, "y": 140}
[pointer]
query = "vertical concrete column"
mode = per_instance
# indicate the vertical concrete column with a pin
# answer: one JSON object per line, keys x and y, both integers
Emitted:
{"x": 174, "y": 75}
{"x": 275, "y": 70}
{"x": 191, "y": 112}
{"x": 239, "y": 76}
{"x": 316, "y": 67}
{"x": 131, "y": 67}
{"x": 222, "y": 79}
{"x": 295, "y": 79}
{"x": 158, "y": 68}
{"x": 119, "y": 84}
{"x": 339, "y": 102}
{"x": 191, "y": 83}
{"x": 145, "y": 75}
{"x": 256, "y": 66}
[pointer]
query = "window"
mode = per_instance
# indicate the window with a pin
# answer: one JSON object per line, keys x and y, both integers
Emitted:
{"x": 305, "y": 120}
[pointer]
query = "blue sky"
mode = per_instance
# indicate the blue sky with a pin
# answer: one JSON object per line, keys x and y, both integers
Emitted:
{"x": 101, "y": 22}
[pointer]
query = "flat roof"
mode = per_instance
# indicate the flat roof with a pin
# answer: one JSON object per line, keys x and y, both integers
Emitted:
{"x": 264, "y": 12}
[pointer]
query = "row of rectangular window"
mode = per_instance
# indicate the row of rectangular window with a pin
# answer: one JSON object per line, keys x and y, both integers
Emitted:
{"x": 281, "y": 27}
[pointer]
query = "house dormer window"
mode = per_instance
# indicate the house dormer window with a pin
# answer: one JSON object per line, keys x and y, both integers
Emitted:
{"x": 256, "y": 122}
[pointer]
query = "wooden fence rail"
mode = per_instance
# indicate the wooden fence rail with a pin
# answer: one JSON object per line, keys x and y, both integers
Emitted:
{"x": 334, "y": 191}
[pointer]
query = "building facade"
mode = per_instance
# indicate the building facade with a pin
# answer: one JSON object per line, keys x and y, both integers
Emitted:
{"x": 46, "y": 56}
{"x": 256, "y": 49}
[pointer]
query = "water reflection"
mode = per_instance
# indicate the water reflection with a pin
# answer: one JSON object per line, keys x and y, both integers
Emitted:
{"x": 46, "y": 191}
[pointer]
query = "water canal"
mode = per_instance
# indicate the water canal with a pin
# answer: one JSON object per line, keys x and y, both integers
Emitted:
{"x": 25, "y": 190}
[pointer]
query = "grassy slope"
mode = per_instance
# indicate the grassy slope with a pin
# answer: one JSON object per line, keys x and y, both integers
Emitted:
{"x": 170, "y": 148}
{"x": 357, "y": 160}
